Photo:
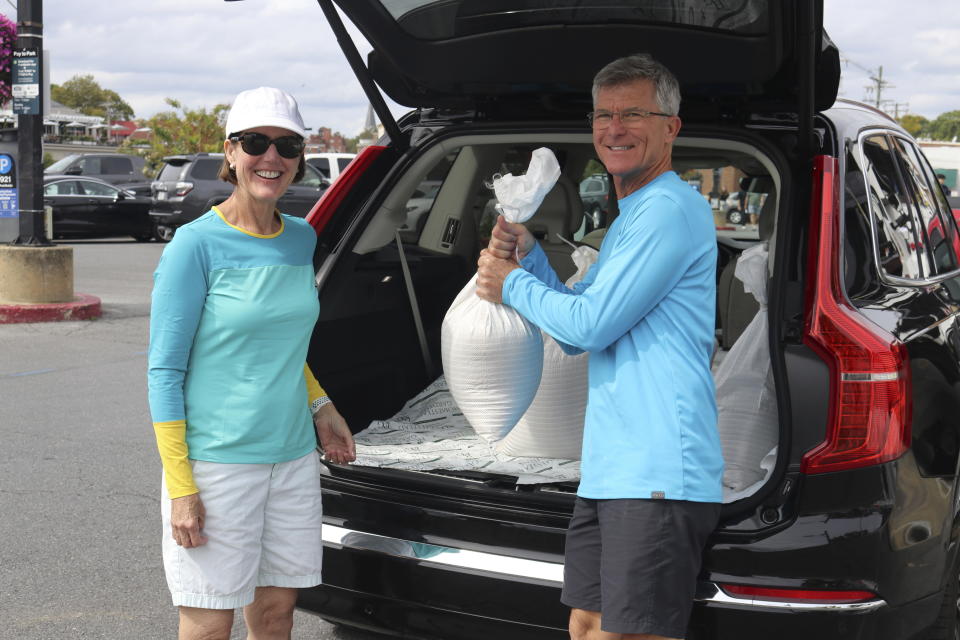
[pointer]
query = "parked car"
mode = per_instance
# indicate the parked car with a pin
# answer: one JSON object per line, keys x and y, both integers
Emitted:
{"x": 187, "y": 186}
{"x": 330, "y": 164}
{"x": 851, "y": 529}
{"x": 115, "y": 168}
{"x": 419, "y": 204}
{"x": 595, "y": 193}
{"x": 91, "y": 208}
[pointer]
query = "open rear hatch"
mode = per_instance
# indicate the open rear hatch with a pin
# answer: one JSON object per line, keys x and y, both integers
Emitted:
{"x": 734, "y": 59}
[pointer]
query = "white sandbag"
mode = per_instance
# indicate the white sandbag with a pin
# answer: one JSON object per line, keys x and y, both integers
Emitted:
{"x": 492, "y": 359}
{"x": 746, "y": 398}
{"x": 553, "y": 425}
{"x": 492, "y": 356}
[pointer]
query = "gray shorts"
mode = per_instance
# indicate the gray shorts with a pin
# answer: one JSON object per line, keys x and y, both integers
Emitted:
{"x": 636, "y": 562}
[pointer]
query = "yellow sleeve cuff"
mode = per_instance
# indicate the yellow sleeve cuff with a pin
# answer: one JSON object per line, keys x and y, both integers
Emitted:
{"x": 177, "y": 472}
{"x": 314, "y": 390}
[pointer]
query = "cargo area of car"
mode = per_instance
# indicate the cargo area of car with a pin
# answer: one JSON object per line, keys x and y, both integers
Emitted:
{"x": 385, "y": 290}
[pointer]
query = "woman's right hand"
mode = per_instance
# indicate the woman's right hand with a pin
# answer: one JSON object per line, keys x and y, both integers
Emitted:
{"x": 186, "y": 519}
{"x": 505, "y": 238}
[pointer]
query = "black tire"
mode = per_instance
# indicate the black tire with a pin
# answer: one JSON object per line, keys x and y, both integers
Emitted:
{"x": 947, "y": 626}
{"x": 163, "y": 233}
{"x": 735, "y": 216}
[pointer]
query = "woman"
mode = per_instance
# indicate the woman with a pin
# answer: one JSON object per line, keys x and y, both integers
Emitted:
{"x": 234, "y": 305}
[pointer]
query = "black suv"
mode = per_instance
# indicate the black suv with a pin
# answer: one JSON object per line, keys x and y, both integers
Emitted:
{"x": 187, "y": 187}
{"x": 115, "y": 168}
{"x": 850, "y": 529}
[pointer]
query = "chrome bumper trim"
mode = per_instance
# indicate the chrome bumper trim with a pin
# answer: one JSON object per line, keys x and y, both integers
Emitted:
{"x": 444, "y": 556}
{"x": 719, "y": 597}
{"x": 550, "y": 572}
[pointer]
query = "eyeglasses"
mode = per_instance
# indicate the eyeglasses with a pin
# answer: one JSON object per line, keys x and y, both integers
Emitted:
{"x": 600, "y": 120}
{"x": 256, "y": 144}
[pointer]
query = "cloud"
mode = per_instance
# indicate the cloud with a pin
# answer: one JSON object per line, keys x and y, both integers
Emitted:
{"x": 204, "y": 52}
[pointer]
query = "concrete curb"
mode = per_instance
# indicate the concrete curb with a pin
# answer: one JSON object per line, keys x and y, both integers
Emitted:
{"x": 83, "y": 307}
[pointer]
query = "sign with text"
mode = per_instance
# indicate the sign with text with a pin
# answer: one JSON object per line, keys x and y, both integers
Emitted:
{"x": 26, "y": 81}
{"x": 9, "y": 207}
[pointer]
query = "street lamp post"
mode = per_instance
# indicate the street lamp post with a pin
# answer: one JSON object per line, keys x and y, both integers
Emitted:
{"x": 30, "y": 131}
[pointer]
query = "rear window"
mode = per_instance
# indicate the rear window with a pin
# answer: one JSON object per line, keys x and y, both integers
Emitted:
{"x": 206, "y": 168}
{"x": 440, "y": 19}
{"x": 172, "y": 172}
{"x": 343, "y": 162}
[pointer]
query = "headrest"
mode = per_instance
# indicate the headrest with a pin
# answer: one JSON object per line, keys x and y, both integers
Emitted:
{"x": 560, "y": 212}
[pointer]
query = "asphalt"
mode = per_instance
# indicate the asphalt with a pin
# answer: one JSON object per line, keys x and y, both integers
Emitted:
{"x": 79, "y": 473}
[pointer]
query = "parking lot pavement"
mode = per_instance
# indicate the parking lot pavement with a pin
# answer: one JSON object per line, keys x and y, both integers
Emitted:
{"x": 79, "y": 473}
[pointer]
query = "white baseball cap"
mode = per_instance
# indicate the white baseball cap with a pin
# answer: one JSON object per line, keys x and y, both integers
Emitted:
{"x": 265, "y": 107}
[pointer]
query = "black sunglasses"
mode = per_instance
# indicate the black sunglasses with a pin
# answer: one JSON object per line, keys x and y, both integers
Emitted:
{"x": 256, "y": 144}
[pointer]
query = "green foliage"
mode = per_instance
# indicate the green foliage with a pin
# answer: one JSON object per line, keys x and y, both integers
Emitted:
{"x": 593, "y": 167}
{"x": 183, "y": 131}
{"x": 83, "y": 93}
{"x": 914, "y": 124}
{"x": 48, "y": 159}
{"x": 946, "y": 126}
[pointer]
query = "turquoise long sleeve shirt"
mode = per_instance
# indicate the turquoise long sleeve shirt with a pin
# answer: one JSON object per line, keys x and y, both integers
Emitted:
{"x": 646, "y": 313}
{"x": 231, "y": 319}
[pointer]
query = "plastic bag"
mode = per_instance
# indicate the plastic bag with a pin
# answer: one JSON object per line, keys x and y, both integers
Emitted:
{"x": 553, "y": 425}
{"x": 518, "y": 197}
{"x": 747, "y": 417}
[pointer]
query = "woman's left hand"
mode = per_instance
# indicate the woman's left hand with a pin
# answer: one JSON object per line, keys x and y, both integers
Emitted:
{"x": 335, "y": 436}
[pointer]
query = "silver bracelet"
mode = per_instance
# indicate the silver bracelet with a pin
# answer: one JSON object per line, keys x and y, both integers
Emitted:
{"x": 318, "y": 403}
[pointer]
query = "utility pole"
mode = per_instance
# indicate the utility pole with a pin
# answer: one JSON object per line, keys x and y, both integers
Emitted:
{"x": 897, "y": 107}
{"x": 879, "y": 84}
{"x": 28, "y": 70}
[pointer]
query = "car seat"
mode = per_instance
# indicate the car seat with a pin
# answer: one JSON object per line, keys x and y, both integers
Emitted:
{"x": 736, "y": 306}
{"x": 560, "y": 214}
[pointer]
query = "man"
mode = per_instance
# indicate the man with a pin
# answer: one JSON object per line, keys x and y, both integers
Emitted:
{"x": 942, "y": 180}
{"x": 650, "y": 488}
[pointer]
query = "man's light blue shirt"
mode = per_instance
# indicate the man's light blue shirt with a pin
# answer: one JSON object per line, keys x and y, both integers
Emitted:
{"x": 646, "y": 313}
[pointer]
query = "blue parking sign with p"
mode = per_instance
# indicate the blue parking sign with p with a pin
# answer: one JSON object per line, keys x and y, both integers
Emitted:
{"x": 9, "y": 205}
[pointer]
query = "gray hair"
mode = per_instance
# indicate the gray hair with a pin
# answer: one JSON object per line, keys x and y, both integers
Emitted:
{"x": 641, "y": 66}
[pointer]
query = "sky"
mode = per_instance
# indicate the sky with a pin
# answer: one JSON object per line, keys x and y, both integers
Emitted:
{"x": 203, "y": 52}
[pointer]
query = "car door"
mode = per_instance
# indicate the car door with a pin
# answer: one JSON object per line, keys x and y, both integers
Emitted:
{"x": 71, "y": 209}
{"x": 108, "y": 215}
{"x": 301, "y": 196}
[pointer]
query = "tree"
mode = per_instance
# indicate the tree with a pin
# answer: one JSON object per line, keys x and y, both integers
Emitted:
{"x": 946, "y": 126}
{"x": 83, "y": 93}
{"x": 914, "y": 124}
{"x": 183, "y": 131}
{"x": 8, "y": 37}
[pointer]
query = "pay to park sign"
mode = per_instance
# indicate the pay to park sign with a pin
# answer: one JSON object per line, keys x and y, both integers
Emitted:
{"x": 9, "y": 207}
{"x": 26, "y": 81}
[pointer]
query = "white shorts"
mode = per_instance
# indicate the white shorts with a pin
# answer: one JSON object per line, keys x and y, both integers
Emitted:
{"x": 263, "y": 529}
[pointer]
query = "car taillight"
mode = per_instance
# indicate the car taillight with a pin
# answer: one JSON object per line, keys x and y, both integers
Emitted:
{"x": 870, "y": 407}
{"x": 336, "y": 192}
{"x": 811, "y": 596}
{"x": 182, "y": 188}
